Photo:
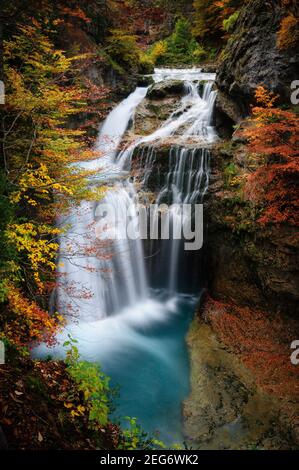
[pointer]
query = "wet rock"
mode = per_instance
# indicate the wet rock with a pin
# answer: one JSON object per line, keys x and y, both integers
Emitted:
{"x": 151, "y": 113}
{"x": 224, "y": 106}
{"x": 251, "y": 264}
{"x": 210, "y": 68}
{"x": 145, "y": 80}
{"x": 166, "y": 88}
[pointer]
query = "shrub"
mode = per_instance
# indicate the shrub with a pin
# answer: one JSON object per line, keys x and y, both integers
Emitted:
{"x": 93, "y": 384}
{"x": 133, "y": 438}
{"x": 27, "y": 321}
{"x": 230, "y": 173}
{"x": 146, "y": 65}
{"x": 273, "y": 135}
{"x": 122, "y": 49}
{"x": 199, "y": 53}
{"x": 157, "y": 52}
{"x": 262, "y": 342}
{"x": 182, "y": 35}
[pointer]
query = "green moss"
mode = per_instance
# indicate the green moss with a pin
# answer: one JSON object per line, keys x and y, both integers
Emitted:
{"x": 230, "y": 23}
{"x": 230, "y": 172}
{"x": 228, "y": 148}
{"x": 236, "y": 214}
{"x": 252, "y": 250}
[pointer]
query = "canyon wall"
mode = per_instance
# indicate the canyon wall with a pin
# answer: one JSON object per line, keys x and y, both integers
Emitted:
{"x": 253, "y": 56}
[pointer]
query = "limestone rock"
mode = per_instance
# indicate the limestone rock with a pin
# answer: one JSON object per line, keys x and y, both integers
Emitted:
{"x": 225, "y": 410}
{"x": 166, "y": 88}
{"x": 252, "y": 58}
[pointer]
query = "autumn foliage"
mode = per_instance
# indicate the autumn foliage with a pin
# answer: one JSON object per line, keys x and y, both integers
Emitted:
{"x": 210, "y": 17}
{"x": 40, "y": 151}
{"x": 288, "y": 34}
{"x": 273, "y": 135}
{"x": 262, "y": 342}
{"x": 27, "y": 321}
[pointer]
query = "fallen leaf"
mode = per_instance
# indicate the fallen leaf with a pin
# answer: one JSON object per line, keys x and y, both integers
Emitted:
{"x": 40, "y": 437}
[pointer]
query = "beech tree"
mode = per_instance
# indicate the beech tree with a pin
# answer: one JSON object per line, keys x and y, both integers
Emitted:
{"x": 39, "y": 155}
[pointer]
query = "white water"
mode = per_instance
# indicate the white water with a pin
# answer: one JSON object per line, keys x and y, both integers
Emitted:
{"x": 192, "y": 118}
{"x": 112, "y": 131}
{"x": 134, "y": 331}
{"x": 98, "y": 277}
{"x": 191, "y": 74}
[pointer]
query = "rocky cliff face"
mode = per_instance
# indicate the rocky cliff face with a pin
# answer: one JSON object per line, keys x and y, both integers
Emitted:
{"x": 252, "y": 58}
{"x": 249, "y": 263}
{"x": 245, "y": 392}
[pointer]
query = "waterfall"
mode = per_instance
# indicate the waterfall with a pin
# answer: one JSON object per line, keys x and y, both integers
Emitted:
{"x": 100, "y": 274}
{"x": 96, "y": 276}
{"x": 131, "y": 299}
{"x": 188, "y": 177}
{"x": 192, "y": 118}
{"x": 186, "y": 181}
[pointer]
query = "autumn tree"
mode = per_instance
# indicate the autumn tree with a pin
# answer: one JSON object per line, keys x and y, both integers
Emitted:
{"x": 210, "y": 17}
{"x": 39, "y": 170}
{"x": 273, "y": 136}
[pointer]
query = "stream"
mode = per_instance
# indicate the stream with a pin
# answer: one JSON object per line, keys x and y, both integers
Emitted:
{"x": 129, "y": 303}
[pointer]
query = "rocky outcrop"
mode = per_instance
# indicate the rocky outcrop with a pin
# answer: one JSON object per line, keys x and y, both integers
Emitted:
{"x": 151, "y": 161}
{"x": 244, "y": 390}
{"x": 227, "y": 407}
{"x": 160, "y": 102}
{"x": 151, "y": 113}
{"x": 257, "y": 269}
{"x": 249, "y": 263}
{"x": 166, "y": 88}
{"x": 252, "y": 58}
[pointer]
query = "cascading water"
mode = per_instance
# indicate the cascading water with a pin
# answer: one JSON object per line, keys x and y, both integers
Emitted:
{"x": 186, "y": 182}
{"x": 192, "y": 118}
{"x": 130, "y": 314}
{"x": 98, "y": 277}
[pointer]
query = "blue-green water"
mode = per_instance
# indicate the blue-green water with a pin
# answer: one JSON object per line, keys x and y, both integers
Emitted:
{"x": 154, "y": 378}
{"x": 143, "y": 350}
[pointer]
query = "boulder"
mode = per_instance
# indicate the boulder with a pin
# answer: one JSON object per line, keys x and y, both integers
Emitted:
{"x": 151, "y": 113}
{"x": 145, "y": 80}
{"x": 163, "y": 89}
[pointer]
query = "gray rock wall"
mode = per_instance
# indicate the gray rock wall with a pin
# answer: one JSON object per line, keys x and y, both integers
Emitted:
{"x": 252, "y": 58}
